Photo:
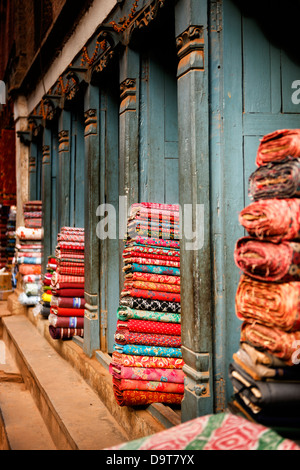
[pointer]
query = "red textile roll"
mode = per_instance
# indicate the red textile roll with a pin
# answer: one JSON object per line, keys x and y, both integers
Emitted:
{"x": 67, "y": 312}
{"x": 66, "y": 322}
{"x": 67, "y": 302}
{"x": 272, "y": 219}
{"x": 68, "y": 292}
{"x": 267, "y": 261}
{"x": 148, "y": 294}
{"x": 278, "y": 145}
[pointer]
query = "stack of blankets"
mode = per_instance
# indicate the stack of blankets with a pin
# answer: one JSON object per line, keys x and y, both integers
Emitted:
{"x": 47, "y": 287}
{"x": 265, "y": 371}
{"x": 4, "y": 213}
{"x": 147, "y": 361}
{"x": 11, "y": 235}
{"x": 66, "y": 318}
{"x": 28, "y": 253}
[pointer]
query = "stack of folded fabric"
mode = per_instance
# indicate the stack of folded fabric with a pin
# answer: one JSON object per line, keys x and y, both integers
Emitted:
{"x": 66, "y": 318}
{"x": 47, "y": 287}
{"x": 11, "y": 235}
{"x": 265, "y": 371}
{"x": 28, "y": 253}
{"x": 147, "y": 361}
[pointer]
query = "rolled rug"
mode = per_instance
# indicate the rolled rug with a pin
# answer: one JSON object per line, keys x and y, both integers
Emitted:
{"x": 275, "y": 180}
{"x": 283, "y": 344}
{"x": 274, "y": 305}
{"x": 267, "y": 261}
{"x": 66, "y": 322}
{"x": 278, "y": 145}
{"x": 64, "y": 333}
{"x": 272, "y": 219}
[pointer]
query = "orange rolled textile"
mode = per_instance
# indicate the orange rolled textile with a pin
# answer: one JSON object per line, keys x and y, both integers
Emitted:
{"x": 30, "y": 269}
{"x": 267, "y": 261}
{"x": 278, "y": 145}
{"x": 273, "y": 305}
{"x": 272, "y": 219}
{"x": 282, "y": 344}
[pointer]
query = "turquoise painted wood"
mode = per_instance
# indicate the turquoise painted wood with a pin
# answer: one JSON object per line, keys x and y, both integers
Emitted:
{"x": 54, "y": 188}
{"x": 77, "y": 168}
{"x": 251, "y": 89}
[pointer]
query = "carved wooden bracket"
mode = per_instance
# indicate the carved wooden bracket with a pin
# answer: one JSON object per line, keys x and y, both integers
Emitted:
{"x": 46, "y": 155}
{"x": 190, "y": 50}
{"x": 32, "y": 164}
{"x": 25, "y": 137}
{"x": 63, "y": 141}
{"x": 91, "y": 122}
{"x": 128, "y": 95}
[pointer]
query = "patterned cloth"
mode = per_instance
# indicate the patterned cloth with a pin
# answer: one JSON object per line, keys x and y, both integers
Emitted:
{"x": 157, "y": 362}
{"x": 66, "y": 322}
{"x": 138, "y": 397}
{"x": 278, "y": 180}
{"x": 278, "y": 145}
{"x": 148, "y": 294}
{"x": 267, "y": 261}
{"x": 65, "y": 333}
{"x": 272, "y": 219}
{"x": 147, "y": 373}
{"x": 150, "y": 305}
{"x": 25, "y": 233}
{"x": 149, "y": 277}
{"x": 143, "y": 350}
{"x": 154, "y": 286}
{"x": 128, "y": 337}
{"x": 153, "y": 242}
{"x": 150, "y": 327}
{"x": 222, "y": 431}
{"x": 274, "y": 305}
{"x": 147, "y": 385}
{"x": 149, "y": 268}
{"x": 127, "y": 313}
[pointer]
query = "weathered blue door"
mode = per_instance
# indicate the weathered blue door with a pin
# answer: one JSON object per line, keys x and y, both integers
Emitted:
{"x": 253, "y": 97}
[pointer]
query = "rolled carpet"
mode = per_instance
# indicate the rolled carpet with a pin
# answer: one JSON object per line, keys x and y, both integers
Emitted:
{"x": 272, "y": 219}
{"x": 277, "y": 180}
{"x": 274, "y": 305}
{"x": 278, "y": 145}
{"x": 267, "y": 261}
{"x": 281, "y": 343}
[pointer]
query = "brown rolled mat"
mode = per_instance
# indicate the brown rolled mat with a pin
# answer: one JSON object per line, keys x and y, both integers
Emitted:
{"x": 272, "y": 304}
{"x": 278, "y": 145}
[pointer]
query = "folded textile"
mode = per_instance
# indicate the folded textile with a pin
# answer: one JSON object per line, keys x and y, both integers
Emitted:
{"x": 33, "y": 223}
{"x": 154, "y": 250}
{"x": 148, "y": 294}
{"x": 274, "y": 305}
{"x": 65, "y": 322}
{"x": 69, "y": 245}
{"x": 264, "y": 393}
{"x": 65, "y": 333}
{"x": 152, "y": 286}
{"x": 67, "y": 312}
{"x": 149, "y": 277}
{"x": 27, "y": 269}
{"x": 262, "y": 357}
{"x": 145, "y": 361}
{"x": 152, "y": 305}
{"x": 127, "y": 313}
{"x": 267, "y": 261}
{"x": 25, "y": 260}
{"x": 154, "y": 242}
{"x": 28, "y": 300}
{"x": 280, "y": 343}
{"x": 144, "y": 350}
{"x": 25, "y": 233}
{"x": 45, "y": 311}
{"x": 69, "y": 281}
{"x": 67, "y": 302}
{"x": 148, "y": 385}
{"x": 138, "y": 397}
{"x": 278, "y": 145}
{"x": 68, "y": 292}
{"x": 33, "y": 215}
{"x": 219, "y": 431}
{"x": 147, "y": 339}
{"x": 152, "y": 261}
{"x": 278, "y": 180}
{"x": 150, "y": 268}
{"x": 259, "y": 371}
{"x": 147, "y": 373}
{"x": 32, "y": 277}
{"x": 32, "y": 288}
{"x": 69, "y": 270}
{"x": 133, "y": 254}
{"x": 144, "y": 326}
{"x": 272, "y": 219}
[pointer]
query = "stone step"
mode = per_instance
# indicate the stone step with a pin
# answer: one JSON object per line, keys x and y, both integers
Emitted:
{"x": 74, "y": 414}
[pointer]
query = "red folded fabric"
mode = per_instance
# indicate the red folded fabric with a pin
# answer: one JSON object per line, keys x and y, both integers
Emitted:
{"x": 67, "y": 312}
{"x": 147, "y": 326}
{"x": 278, "y": 145}
{"x": 138, "y": 397}
{"x": 67, "y": 302}
{"x": 68, "y": 292}
{"x": 148, "y": 294}
{"x": 150, "y": 277}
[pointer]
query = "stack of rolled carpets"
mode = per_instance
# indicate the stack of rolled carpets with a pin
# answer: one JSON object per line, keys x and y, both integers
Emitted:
{"x": 66, "y": 318}
{"x": 265, "y": 371}
{"x": 47, "y": 287}
{"x": 147, "y": 360}
{"x": 28, "y": 254}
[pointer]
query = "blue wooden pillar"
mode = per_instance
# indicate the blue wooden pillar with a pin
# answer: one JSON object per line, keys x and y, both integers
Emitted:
{"x": 46, "y": 196}
{"x": 64, "y": 158}
{"x": 194, "y": 192}
{"x": 91, "y": 202}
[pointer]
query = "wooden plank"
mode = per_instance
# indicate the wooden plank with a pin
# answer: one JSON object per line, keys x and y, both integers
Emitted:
{"x": 46, "y": 196}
